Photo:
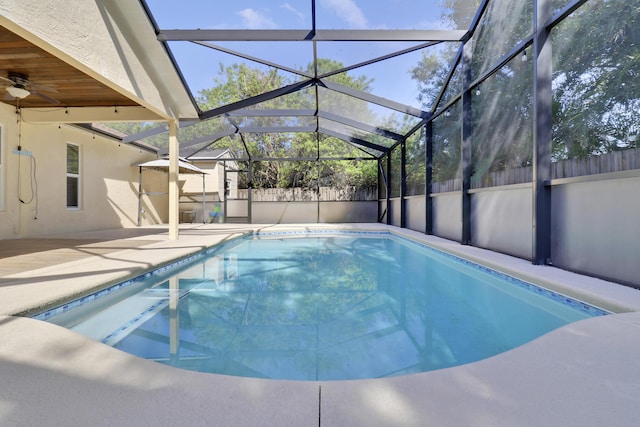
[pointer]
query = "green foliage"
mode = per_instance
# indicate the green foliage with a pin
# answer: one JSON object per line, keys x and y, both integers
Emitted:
{"x": 325, "y": 65}
{"x": 348, "y": 173}
{"x": 447, "y": 144}
{"x": 596, "y": 87}
{"x": 503, "y": 25}
{"x": 596, "y": 102}
{"x": 239, "y": 82}
{"x": 502, "y": 121}
{"x": 415, "y": 163}
{"x": 431, "y": 72}
{"x": 459, "y": 14}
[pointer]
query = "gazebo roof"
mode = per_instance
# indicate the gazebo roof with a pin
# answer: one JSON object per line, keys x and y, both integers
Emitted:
{"x": 162, "y": 165}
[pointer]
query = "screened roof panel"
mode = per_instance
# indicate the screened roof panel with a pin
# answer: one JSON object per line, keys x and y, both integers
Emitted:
{"x": 332, "y": 147}
{"x": 350, "y": 53}
{"x": 303, "y": 99}
{"x": 356, "y": 136}
{"x": 316, "y": 59}
{"x": 160, "y": 141}
{"x": 205, "y": 127}
{"x": 208, "y": 71}
{"x": 352, "y": 132}
{"x": 363, "y": 150}
{"x": 365, "y": 112}
{"x": 408, "y": 14}
{"x": 292, "y": 56}
{"x": 195, "y": 147}
{"x": 391, "y": 77}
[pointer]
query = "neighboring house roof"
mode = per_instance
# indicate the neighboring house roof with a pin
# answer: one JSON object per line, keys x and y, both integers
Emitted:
{"x": 207, "y": 154}
{"x": 109, "y": 132}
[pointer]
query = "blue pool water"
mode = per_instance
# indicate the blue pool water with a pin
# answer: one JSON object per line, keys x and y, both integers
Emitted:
{"x": 320, "y": 307}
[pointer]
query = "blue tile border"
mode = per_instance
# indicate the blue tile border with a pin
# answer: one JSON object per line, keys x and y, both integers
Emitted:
{"x": 561, "y": 298}
{"x": 321, "y": 232}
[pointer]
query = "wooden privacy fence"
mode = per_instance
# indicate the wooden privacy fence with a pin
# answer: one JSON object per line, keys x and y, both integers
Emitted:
{"x": 445, "y": 186}
{"x": 616, "y": 161}
{"x": 332, "y": 194}
{"x": 505, "y": 177}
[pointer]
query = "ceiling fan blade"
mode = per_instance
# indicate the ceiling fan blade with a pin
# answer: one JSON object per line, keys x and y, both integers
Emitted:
{"x": 8, "y": 97}
{"x": 40, "y": 88}
{"x": 45, "y": 97}
{"x": 7, "y": 81}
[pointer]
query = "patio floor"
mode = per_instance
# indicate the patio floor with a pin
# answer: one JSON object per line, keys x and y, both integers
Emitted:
{"x": 583, "y": 374}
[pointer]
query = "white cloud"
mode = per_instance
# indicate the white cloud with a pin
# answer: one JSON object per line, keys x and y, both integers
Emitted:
{"x": 348, "y": 11}
{"x": 293, "y": 10}
{"x": 255, "y": 20}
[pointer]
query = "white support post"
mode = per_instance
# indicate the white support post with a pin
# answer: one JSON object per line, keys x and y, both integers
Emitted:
{"x": 204, "y": 202}
{"x": 173, "y": 181}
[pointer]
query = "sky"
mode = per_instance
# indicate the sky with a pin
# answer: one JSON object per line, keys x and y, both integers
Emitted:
{"x": 200, "y": 65}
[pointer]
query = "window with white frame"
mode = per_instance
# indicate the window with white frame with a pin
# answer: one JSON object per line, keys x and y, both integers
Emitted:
{"x": 73, "y": 176}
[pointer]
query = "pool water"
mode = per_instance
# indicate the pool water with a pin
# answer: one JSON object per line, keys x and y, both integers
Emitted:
{"x": 330, "y": 307}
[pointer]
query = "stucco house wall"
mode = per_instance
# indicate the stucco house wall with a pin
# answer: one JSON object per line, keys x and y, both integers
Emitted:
{"x": 108, "y": 182}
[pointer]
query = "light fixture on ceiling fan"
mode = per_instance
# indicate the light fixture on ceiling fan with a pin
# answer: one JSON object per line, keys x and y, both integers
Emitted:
{"x": 18, "y": 92}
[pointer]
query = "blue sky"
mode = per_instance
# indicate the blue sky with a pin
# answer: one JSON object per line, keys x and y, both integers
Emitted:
{"x": 296, "y": 14}
{"x": 391, "y": 78}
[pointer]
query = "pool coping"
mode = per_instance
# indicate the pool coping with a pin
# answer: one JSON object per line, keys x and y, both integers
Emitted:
{"x": 581, "y": 374}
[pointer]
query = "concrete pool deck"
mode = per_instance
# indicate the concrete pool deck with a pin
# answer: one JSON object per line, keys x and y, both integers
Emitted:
{"x": 584, "y": 374}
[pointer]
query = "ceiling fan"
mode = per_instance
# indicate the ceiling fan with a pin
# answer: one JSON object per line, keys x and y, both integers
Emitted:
{"x": 20, "y": 87}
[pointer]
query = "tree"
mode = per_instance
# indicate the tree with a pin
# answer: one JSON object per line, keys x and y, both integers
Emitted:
{"x": 596, "y": 90}
{"x": 431, "y": 72}
{"x": 239, "y": 81}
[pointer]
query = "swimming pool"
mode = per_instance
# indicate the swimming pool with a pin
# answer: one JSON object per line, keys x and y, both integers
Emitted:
{"x": 327, "y": 306}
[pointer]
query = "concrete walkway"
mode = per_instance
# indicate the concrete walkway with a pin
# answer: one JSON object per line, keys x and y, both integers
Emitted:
{"x": 585, "y": 374}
